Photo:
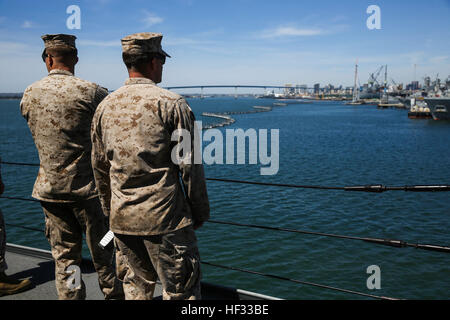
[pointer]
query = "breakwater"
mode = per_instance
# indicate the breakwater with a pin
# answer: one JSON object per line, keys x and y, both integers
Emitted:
{"x": 226, "y": 116}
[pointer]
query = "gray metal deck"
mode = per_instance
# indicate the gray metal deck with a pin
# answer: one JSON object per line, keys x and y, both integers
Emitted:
{"x": 38, "y": 265}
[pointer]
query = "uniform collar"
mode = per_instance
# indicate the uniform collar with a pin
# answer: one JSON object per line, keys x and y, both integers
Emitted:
{"x": 130, "y": 81}
{"x": 58, "y": 71}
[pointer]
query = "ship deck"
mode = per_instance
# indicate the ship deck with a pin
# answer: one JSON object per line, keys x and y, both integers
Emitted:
{"x": 38, "y": 265}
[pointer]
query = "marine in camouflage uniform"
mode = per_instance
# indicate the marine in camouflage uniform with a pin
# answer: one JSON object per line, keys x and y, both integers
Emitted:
{"x": 59, "y": 110}
{"x": 139, "y": 185}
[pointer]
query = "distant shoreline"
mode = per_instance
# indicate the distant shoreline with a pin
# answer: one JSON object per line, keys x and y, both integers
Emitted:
{"x": 11, "y": 96}
{"x": 18, "y": 96}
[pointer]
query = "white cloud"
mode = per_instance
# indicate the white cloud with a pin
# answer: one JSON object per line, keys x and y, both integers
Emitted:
{"x": 151, "y": 19}
{"x": 7, "y": 47}
{"x": 439, "y": 59}
{"x": 303, "y": 29}
{"x": 27, "y": 24}
{"x": 291, "y": 32}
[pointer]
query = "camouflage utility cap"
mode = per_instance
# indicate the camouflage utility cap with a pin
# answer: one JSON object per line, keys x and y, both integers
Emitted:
{"x": 144, "y": 42}
{"x": 59, "y": 41}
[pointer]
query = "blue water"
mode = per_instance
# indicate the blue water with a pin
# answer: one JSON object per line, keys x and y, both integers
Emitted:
{"x": 324, "y": 143}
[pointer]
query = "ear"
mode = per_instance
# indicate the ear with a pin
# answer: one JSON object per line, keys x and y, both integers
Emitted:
{"x": 155, "y": 64}
{"x": 149, "y": 67}
{"x": 76, "y": 60}
{"x": 49, "y": 61}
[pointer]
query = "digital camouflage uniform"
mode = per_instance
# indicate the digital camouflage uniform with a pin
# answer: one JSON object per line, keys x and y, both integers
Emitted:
{"x": 59, "y": 110}
{"x": 139, "y": 185}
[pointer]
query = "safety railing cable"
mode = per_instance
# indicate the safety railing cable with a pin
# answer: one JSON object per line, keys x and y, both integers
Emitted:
{"x": 19, "y": 198}
{"x": 260, "y": 274}
{"x": 299, "y": 281}
{"x": 385, "y": 242}
{"x": 20, "y": 164}
{"x": 366, "y": 188}
{"x": 374, "y": 188}
{"x": 23, "y": 227}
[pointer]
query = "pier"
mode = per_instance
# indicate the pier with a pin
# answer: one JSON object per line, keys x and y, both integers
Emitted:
{"x": 229, "y": 120}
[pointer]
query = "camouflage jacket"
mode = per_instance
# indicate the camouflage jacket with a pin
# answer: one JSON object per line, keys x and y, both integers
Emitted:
{"x": 59, "y": 110}
{"x": 138, "y": 184}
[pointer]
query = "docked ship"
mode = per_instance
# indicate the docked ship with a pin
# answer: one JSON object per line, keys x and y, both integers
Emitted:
{"x": 388, "y": 102}
{"x": 418, "y": 109}
{"x": 439, "y": 107}
{"x": 368, "y": 93}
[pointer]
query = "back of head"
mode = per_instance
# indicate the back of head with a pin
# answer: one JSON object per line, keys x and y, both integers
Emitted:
{"x": 61, "y": 48}
{"x": 67, "y": 57}
{"x": 136, "y": 61}
{"x": 140, "y": 48}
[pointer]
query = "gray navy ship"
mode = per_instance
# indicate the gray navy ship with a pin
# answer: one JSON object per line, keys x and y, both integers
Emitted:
{"x": 439, "y": 107}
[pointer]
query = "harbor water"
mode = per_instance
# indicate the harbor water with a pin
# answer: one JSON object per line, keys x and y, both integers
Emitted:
{"x": 320, "y": 143}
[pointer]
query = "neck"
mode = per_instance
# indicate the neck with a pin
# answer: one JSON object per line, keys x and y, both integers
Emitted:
{"x": 63, "y": 67}
{"x": 139, "y": 74}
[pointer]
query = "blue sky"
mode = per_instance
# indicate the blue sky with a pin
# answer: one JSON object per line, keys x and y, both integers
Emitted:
{"x": 234, "y": 42}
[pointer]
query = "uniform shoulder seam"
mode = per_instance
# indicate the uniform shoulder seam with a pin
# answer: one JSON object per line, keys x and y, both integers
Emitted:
{"x": 171, "y": 93}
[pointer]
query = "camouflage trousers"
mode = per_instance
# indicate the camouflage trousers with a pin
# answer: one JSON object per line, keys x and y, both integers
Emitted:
{"x": 3, "y": 265}
{"x": 173, "y": 258}
{"x": 65, "y": 224}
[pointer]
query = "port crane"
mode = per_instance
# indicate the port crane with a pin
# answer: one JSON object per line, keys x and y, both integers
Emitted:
{"x": 398, "y": 87}
{"x": 374, "y": 76}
